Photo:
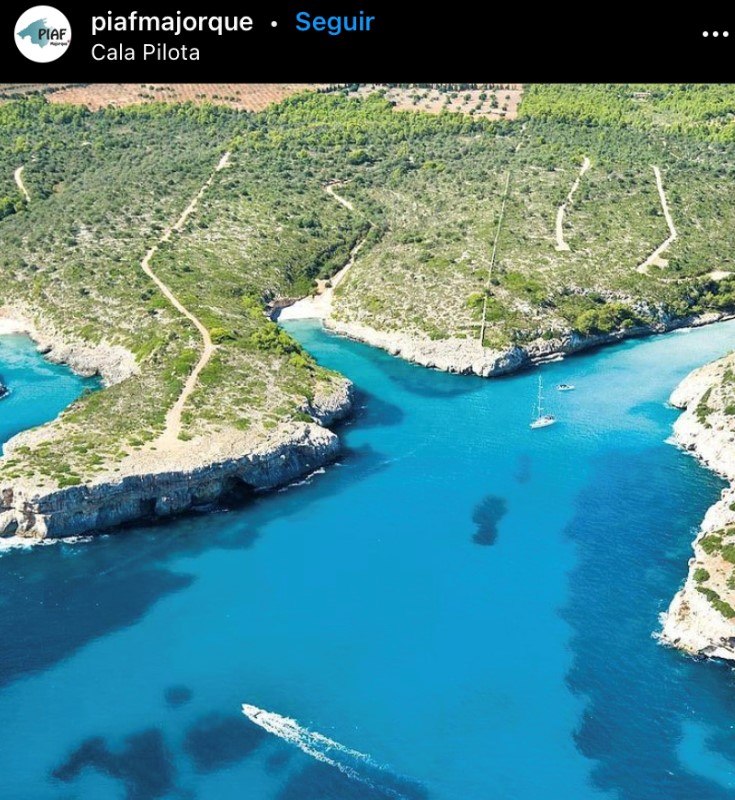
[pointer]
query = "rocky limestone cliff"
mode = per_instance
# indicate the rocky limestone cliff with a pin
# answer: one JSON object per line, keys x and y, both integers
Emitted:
{"x": 701, "y": 617}
{"x": 296, "y": 450}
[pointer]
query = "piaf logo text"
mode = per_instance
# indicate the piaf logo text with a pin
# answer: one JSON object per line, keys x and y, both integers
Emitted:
{"x": 42, "y": 34}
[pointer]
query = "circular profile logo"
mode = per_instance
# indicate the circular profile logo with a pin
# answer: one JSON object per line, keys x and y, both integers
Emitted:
{"x": 42, "y": 34}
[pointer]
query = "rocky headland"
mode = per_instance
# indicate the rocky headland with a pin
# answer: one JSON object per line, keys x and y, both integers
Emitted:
{"x": 111, "y": 362}
{"x": 701, "y": 617}
{"x": 158, "y": 481}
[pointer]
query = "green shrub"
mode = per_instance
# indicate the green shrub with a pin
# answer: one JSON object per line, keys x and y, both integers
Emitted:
{"x": 728, "y": 553}
{"x": 717, "y": 602}
{"x": 606, "y": 319}
{"x": 711, "y": 543}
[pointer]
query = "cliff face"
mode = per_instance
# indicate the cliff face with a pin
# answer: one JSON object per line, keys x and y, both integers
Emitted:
{"x": 701, "y": 617}
{"x": 24, "y": 511}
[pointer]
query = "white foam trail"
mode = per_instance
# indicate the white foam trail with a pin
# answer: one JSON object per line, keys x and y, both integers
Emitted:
{"x": 8, "y": 543}
{"x": 314, "y": 744}
{"x": 304, "y": 481}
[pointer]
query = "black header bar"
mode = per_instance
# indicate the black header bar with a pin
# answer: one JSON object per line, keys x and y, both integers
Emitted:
{"x": 377, "y": 41}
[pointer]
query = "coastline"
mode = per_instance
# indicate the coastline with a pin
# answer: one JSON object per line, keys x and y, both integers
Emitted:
{"x": 112, "y": 363}
{"x": 156, "y": 483}
{"x": 699, "y": 620}
{"x": 193, "y": 474}
{"x": 468, "y": 356}
{"x": 692, "y": 623}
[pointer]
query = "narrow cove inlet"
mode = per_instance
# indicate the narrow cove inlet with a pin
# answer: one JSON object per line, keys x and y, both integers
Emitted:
{"x": 459, "y": 607}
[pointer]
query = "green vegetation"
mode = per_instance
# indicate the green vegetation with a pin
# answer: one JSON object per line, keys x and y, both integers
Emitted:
{"x": 711, "y": 543}
{"x": 703, "y": 409}
{"x": 706, "y": 111}
{"x": 427, "y": 271}
{"x": 701, "y": 575}
{"x": 717, "y": 602}
{"x": 104, "y": 187}
{"x": 427, "y": 190}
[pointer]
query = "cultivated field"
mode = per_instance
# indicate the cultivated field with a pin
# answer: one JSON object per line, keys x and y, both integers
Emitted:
{"x": 242, "y": 96}
{"x": 488, "y": 100}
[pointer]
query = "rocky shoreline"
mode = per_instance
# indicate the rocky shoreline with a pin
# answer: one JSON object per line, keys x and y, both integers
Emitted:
{"x": 159, "y": 483}
{"x": 469, "y": 357}
{"x": 701, "y": 617}
{"x": 111, "y": 362}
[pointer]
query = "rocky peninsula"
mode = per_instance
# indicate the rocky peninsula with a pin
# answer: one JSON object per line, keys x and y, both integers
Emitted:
{"x": 701, "y": 617}
{"x": 157, "y": 480}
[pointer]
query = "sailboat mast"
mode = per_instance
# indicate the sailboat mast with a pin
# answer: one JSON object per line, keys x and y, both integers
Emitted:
{"x": 540, "y": 388}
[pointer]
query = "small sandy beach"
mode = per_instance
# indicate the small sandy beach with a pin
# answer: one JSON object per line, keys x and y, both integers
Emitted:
{"x": 10, "y": 325}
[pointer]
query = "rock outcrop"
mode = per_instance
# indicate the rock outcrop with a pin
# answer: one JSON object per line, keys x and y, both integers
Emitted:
{"x": 701, "y": 617}
{"x": 295, "y": 451}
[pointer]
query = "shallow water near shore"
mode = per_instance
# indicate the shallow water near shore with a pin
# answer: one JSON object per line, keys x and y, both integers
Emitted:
{"x": 38, "y": 390}
{"x": 467, "y": 602}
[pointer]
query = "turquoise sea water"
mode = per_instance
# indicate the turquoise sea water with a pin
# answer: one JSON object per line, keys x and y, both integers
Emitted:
{"x": 467, "y": 601}
{"x": 39, "y": 390}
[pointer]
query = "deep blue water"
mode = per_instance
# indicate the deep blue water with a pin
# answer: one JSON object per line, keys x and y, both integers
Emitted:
{"x": 465, "y": 600}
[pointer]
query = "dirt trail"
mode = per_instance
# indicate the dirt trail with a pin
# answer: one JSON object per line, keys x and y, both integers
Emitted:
{"x": 329, "y": 189}
{"x": 18, "y": 175}
{"x": 319, "y": 305}
{"x": 655, "y": 258}
{"x": 561, "y": 245}
{"x": 506, "y": 192}
{"x": 170, "y": 435}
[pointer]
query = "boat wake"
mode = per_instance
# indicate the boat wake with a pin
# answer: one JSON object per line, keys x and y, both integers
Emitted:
{"x": 352, "y": 763}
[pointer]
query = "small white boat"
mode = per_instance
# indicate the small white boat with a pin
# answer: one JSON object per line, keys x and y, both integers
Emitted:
{"x": 565, "y": 387}
{"x": 542, "y": 420}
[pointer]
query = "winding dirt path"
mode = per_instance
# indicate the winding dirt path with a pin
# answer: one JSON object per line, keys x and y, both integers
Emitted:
{"x": 18, "y": 175}
{"x": 329, "y": 189}
{"x": 171, "y": 433}
{"x": 319, "y": 305}
{"x": 655, "y": 258}
{"x": 561, "y": 245}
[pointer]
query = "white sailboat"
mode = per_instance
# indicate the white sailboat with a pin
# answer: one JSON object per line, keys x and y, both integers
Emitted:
{"x": 542, "y": 420}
